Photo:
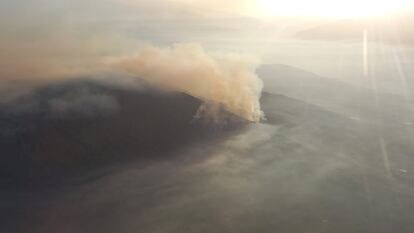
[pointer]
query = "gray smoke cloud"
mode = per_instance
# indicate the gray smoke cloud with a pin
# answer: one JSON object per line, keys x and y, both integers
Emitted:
{"x": 221, "y": 81}
{"x": 62, "y": 102}
{"x": 84, "y": 104}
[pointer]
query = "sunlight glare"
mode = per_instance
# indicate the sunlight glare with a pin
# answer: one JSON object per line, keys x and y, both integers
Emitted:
{"x": 331, "y": 8}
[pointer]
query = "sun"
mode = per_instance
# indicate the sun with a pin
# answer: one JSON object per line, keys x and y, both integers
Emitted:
{"x": 331, "y": 8}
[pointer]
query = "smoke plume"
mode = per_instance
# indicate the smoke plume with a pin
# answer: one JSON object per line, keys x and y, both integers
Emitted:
{"x": 222, "y": 81}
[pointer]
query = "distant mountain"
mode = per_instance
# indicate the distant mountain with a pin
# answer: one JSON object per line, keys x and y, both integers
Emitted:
{"x": 292, "y": 80}
{"x": 395, "y": 29}
{"x": 334, "y": 95}
{"x": 75, "y": 126}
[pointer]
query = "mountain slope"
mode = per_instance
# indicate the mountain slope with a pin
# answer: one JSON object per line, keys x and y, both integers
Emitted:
{"x": 305, "y": 168}
{"x": 82, "y": 125}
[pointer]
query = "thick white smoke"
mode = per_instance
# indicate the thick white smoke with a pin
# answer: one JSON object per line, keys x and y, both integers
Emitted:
{"x": 222, "y": 81}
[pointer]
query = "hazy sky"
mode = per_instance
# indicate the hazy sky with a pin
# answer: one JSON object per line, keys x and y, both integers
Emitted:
{"x": 52, "y": 38}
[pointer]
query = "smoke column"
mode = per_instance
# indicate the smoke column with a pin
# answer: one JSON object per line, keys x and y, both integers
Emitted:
{"x": 224, "y": 81}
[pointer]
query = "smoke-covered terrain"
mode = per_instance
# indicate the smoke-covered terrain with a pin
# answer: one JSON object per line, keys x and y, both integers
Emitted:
{"x": 78, "y": 125}
{"x": 97, "y": 158}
